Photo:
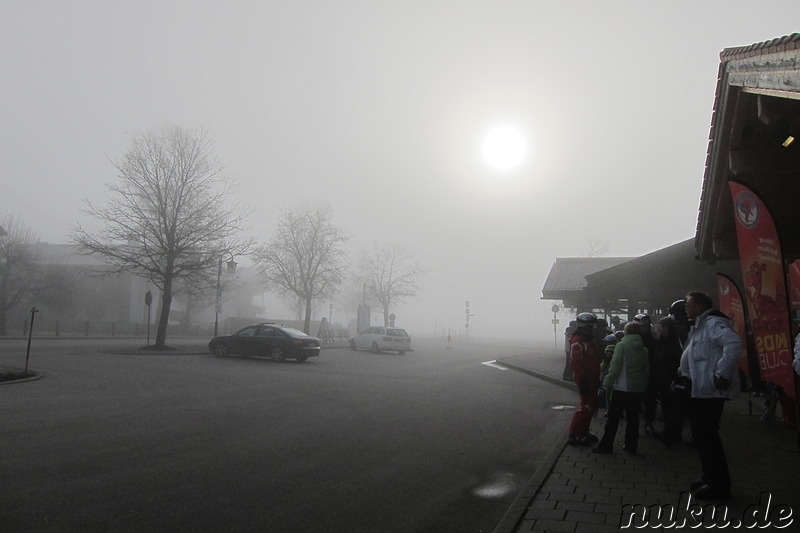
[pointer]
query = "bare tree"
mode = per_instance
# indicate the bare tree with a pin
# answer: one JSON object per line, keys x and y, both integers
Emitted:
{"x": 168, "y": 216}
{"x": 18, "y": 268}
{"x": 597, "y": 247}
{"x": 306, "y": 258}
{"x": 391, "y": 275}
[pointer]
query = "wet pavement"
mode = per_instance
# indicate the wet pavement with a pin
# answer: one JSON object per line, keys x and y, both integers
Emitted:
{"x": 575, "y": 490}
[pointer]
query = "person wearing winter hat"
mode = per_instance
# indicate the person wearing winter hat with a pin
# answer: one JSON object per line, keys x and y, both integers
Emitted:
{"x": 627, "y": 378}
{"x": 585, "y": 360}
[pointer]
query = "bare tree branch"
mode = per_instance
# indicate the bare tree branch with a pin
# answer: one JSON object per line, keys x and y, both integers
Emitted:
{"x": 597, "y": 247}
{"x": 391, "y": 274}
{"x": 19, "y": 271}
{"x": 306, "y": 258}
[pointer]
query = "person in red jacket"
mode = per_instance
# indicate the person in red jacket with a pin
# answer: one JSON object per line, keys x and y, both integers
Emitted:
{"x": 585, "y": 359}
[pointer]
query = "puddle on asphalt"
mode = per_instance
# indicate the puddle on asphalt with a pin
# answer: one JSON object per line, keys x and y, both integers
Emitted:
{"x": 501, "y": 485}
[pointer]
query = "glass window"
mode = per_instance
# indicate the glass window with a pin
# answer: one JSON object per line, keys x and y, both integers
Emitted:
{"x": 292, "y": 332}
{"x": 269, "y": 332}
{"x": 249, "y": 331}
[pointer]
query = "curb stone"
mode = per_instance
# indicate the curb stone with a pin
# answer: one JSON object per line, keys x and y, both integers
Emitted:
{"x": 515, "y": 513}
{"x": 22, "y": 380}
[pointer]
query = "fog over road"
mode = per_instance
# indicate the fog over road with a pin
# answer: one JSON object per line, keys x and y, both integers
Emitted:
{"x": 352, "y": 441}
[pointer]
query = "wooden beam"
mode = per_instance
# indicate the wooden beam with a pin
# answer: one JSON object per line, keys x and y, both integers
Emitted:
{"x": 765, "y": 162}
{"x": 775, "y": 71}
{"x": 773, "y": 92}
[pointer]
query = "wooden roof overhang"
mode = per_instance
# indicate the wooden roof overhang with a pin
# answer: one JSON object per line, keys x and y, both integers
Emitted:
{"x": 756, "y": 108}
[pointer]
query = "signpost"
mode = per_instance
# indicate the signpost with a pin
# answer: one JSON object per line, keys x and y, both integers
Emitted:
{"x": 148, "y": 301}
{"x": 30, "y": 335}
{"x": 466, "y": 308}
{"x": 555, "y": 309}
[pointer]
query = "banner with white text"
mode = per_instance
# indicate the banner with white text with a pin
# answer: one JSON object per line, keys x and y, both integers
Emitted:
{"x": 761, "y": 261}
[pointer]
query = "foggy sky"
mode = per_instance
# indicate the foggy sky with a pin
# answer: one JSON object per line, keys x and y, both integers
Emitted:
{"x": 378, "y": 108}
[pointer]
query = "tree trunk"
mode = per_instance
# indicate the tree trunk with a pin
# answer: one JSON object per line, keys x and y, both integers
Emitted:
{"x": 4, "y": 303}
{"x": 163, "y": 319}
{"x": 4, "y": 310}
{"x": 386, "y": 314}
{"x": 307, "y": 323}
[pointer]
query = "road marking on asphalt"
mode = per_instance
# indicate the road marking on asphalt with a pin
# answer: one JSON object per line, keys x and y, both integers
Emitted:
{"x": 493, "y": 364}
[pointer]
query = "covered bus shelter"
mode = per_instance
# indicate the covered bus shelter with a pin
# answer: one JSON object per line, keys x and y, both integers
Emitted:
{"x": 650, "y": 283}
{"x": 626, "y": 286}
{"x": 755, "y": 142}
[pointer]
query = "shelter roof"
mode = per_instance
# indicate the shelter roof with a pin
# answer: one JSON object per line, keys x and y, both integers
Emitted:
{"x": 657, "y": 279}
{"x": 568, "y": 274}
{"x": 660, "y": 263}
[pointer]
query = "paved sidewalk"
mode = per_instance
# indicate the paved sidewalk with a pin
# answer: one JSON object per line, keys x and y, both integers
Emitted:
{"x": 576, "y": 490}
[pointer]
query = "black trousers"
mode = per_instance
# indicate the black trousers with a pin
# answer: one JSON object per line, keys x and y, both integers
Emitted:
{"x": 650, "y": 402}
{"x": 705, "y": 415}
{"x": 630, "y": 403}
{"x": 679, "y": 408}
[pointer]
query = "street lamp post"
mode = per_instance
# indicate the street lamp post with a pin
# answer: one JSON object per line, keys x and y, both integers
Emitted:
{"x": 466, "y": 326}
{"x": 218, "y": 306}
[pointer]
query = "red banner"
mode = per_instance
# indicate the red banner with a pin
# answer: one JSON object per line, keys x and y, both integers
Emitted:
{"x": 765, "y": 284}
{"x": 730, "y": 303}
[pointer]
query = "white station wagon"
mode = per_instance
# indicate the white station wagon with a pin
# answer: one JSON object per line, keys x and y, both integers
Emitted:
{"x": 379, "y": 338}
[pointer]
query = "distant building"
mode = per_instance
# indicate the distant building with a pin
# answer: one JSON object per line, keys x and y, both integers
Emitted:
{"x": 79, "y": 294}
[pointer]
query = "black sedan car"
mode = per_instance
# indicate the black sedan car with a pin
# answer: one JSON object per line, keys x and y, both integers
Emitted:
{"x": 267, "y": 340}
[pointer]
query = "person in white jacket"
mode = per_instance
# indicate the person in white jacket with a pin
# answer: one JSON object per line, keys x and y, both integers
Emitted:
{"x": 796, "y": 362}
{"x": 709, "y": 360}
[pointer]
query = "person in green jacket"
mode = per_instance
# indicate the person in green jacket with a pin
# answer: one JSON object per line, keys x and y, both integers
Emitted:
{"x": 627, "y": 377}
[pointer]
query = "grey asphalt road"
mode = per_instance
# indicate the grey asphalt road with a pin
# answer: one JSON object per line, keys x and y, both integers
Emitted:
{"x": 433, "y": 440}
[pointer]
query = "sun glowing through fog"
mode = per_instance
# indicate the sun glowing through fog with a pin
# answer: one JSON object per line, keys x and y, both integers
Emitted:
{"x": 504, "y": 148}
